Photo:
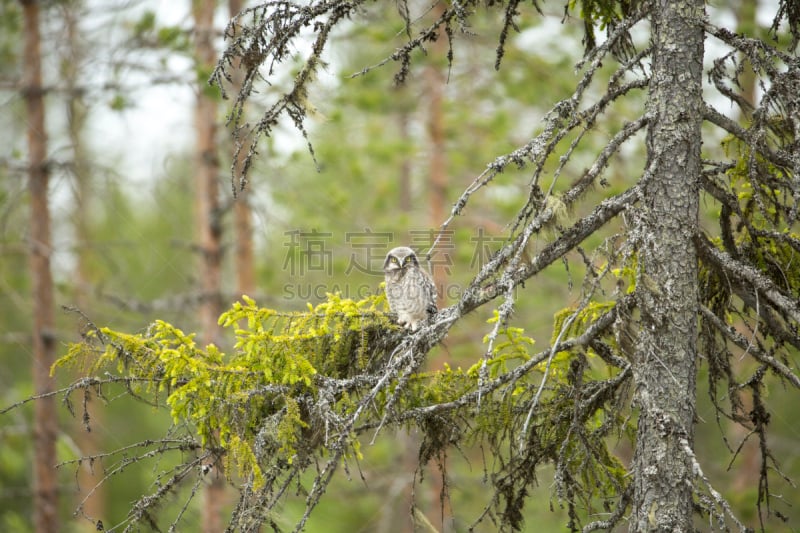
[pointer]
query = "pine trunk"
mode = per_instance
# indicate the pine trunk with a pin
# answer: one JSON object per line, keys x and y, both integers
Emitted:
{"x": 664, "y": 368}
{"x": 438, "y": 507}
{"x": 437, "y": 178}
{"x": 209, "y": 225}
{"x": 242, "y": 211}
{"x": 45, "y": 424}
{"x": 90, "y": 474}
{"x": 404, "y": 180}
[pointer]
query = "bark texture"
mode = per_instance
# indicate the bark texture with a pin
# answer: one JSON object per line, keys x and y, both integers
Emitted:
{"x": 667, "y": 289}
{"x": 45, "y": 424}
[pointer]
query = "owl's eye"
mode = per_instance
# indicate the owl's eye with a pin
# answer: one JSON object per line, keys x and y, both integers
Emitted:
{"x": 394, "y": 260}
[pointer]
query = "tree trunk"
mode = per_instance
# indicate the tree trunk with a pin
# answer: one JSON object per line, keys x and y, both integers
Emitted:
{"x": 90, "y": 473}
{"x": 209, "y": 224}
{"x": 438, "y": 507}
{"x": 45, "y": 424}
{"x": 242, "y": 212}
{"x": 664, "y": 367}
{"x": 437, "y": 191}
{"x": 747, "y": 24}
{"x": 404, "y": 180}
{"x": 243, "y": 226}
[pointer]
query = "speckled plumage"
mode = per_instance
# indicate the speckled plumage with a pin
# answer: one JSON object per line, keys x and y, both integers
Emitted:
{"x": 409, "y": 288}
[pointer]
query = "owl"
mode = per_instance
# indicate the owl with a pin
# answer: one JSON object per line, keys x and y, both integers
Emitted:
{"x": 409, "y": 289}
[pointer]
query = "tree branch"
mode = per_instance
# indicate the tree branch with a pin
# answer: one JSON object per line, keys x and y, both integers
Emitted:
{"x": 738, "y": 339}
{"x": 784, "y": 303}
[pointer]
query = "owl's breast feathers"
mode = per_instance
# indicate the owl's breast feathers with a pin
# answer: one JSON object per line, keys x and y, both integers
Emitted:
{"x": 409, "y": 288}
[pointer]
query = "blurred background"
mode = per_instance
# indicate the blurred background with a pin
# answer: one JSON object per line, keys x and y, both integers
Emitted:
{"x": 123, "y": 81}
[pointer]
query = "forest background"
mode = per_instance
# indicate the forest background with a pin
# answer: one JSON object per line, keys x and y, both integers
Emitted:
{"x": 122, "y": 84}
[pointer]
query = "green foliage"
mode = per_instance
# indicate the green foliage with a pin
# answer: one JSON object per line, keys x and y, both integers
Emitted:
{"x": 145, "y": 24}
{"x": 509, "y": 346}
{"x": 10, "y": 27}
{"x": 264, "y": 388}
{"x": 603, "y": 14}
{"x": 202, "y": 73}
{"x": 174, "y": 38}
{"x": 571, "y": 322}
{"x": 757, "y": 219}
{"x": 119, "y": 103}
{"x": 584, "y": 317}
{"x": 563, "y": 418}
{"x": 273, "y": 402}
{"x": 147, "y": 31}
